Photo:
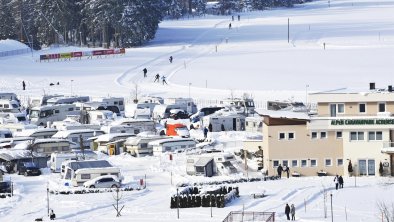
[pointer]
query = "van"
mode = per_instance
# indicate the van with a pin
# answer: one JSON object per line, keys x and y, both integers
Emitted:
{"x": 172, "y": 145}
{"x": 204, "y": 112}
{"x": 139, "y": 145}
{"x": 9, "y": 106}
{"x": 50, "y": 113}
{"x": 74, "y": 136}
{"x": 56, "y": 160}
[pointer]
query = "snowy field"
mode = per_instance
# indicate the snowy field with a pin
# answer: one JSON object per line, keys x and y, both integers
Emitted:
{"x": 253, "y": 57}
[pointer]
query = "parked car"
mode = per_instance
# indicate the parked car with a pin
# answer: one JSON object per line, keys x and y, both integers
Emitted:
{"x": 5, "y": 187}
{"x": 106, "y": 181}
{"x": 29, "y": 169}
{"x": 178, "y": 114}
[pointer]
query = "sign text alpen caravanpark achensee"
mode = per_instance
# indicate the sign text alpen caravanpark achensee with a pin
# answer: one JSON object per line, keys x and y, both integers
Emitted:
{"x": 362, "y": 122}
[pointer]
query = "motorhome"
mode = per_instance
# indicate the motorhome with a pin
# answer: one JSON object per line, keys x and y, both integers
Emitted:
{"x": 243, "y": 105}
{"x": 112, "y": 143}
{"x": 71, "y": 124}
{"x": 85, "y": 174}
{"x": 171, "y": 145}
{"x": 142, "y": 125}
{"x": 224, "y": 122}
{"x": 67, "y": 100}
{"x": 185, "y": 104}
{"x": 75, "y": 135}
{"x": 38, "y": 133}
{"x": 50, "y": 113}
{"x": 36, "y": 101}
{"x": 100, "y": 117}
{"x": 17, "y": 117}
{"x": 204, "y": 112}
{"x": 13, "y": 141}
{"x": 9, "y": 96}
{"x": 112, "y": 101}
{"x": 151, "y": 99}
{"x": 140, "y": 110}
{"x": 121, "y": 129}
{"x": 57, "y": 159}
{"x": 163, "y": 111}
{"x": 18, "y": 127}
{"x": 9, "y": 106}
{"x": 139, "y": 145}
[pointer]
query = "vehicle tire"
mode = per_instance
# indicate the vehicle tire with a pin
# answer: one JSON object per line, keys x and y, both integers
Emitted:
{"x": 92, "y": 186}
{"x": 26, "y": 174}
{"x": 114, "y": 186}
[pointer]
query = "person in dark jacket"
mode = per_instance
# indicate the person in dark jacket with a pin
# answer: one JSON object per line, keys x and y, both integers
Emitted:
{"x": 210, "y": 127}
{"x": 145, "y": 71}
{"x": 24, "y": 85}
{"x": 340, "y": 181}
{"x": 287, "y": 211}
{"x": 170, "y": 59}
{"x": 157, "y": 78}
{"x": 222, "y": 127}
{"x": 205, "y": 132}
{"x": 287, "y": 171}
{"x": 280, "y": 169}
{"x": 336, "y": 181}
{"x": 52, "y": 215}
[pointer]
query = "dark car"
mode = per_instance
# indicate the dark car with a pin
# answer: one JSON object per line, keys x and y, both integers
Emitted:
{"x": 29, "y": 169}
{"x": 5, "y": 187}
{"x": 178, "y": 114}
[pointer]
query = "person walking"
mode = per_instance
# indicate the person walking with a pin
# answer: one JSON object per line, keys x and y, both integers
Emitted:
{"x": 280, "y": 169}
{"x": 52, "y": 215}
{"x": 145, "y": 72}
{"x": 239, "y": 18}
{"x": 336, "y": 180}
{"x": 232, "y": 18}
{"x": 24, "y": 85}
{"x": 287, "y": 211}
{"x": 157, "y": 78}
{"x": 292, "y": 212}
{"x": 205, "y": 132}
{"x": 229, "y": 26}
{"x": 170, "y": 59}
{"x": 287, "y": 171}
{"x": 340, "y": 181}
{"x": 163, "y": 78}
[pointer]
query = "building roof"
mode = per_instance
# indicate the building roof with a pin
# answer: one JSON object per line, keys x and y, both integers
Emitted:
{"x": 11, "y": 154}
{"x": 203, "y": 161}
{"x": 75, "y": 165}
{"x": 283, "y": 114}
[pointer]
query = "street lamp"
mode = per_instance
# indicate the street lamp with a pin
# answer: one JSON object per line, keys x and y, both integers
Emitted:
{"x": 189, "y": 88}
{"x": 177, "y": 201}
{"x": 80, "y": 37}
{"x": 332, "y": 213}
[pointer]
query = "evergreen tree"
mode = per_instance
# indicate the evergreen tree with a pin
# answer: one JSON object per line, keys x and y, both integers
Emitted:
{"x": 7, "y": 22}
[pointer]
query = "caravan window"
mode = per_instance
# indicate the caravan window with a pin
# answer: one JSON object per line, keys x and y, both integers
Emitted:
{"x": 167, "y": 148}
{"x": 74, "y": 139}
{"x": 1, "y": 105}
{"x": 65, "y": 148}
{"x": 70, "y": 109}
{"x": 14, "y": 106}
{"x": 6, "y": 106}
{"x": 143, "y": 145}
{"x": 136, "y": 131}
{"x": 56, "y": 111}
{"x": 190, "y": 146}
{"x": 85, "y": 176}
{"x": 116, "y": 103}
{"x": 54, "y": 149}
{"x": 46, "y": 113}
{"x": 183, "y": 146}
{"x": 121, "y": 103}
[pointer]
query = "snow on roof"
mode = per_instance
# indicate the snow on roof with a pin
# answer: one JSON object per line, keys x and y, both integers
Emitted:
{"x": 111, "y": 136}
{"x": 9, "y": 45}
{"x": 203, "y": 161}
{"x": 169, "y": 140}
{"x": 75, "y": 165}
{"x": 29, "y": 132}
{"x": 11, "y": 154}
{"x": 50, "y": 140}
{"x": 128, "y": 120}
{"x": 66, "y": 133}
{"x": 283, "y": 114}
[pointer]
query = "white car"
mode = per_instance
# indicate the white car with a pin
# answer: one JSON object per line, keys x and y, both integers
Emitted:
{"x": 106, "y": 181}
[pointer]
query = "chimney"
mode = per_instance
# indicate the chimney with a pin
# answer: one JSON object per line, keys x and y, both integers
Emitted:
{"x": 390, "y": 88}
{"x": 372, "y": 86}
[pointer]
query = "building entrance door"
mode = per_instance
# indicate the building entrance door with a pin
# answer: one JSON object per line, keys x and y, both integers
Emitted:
{"x": 362, "y": 167}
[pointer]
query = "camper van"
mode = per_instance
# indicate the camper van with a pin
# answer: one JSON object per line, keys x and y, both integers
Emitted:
{"x": 185, "y": 104}
{"x": 38, "y": 133}
{"x": 9, "y": 106}
{"x": 140, "y": 110}
{"x": 17, "y": 117}
{"x": 112, "y": 143}
{"x": 139, "y": 145}
{"x": 36, "y": 101}
{"x": 74, "y": 136}
{"x": 9, "y": 96}
{"x": 171, "y": 145}
{"x": 57, "y": 159}
{"x": 142, "y": 125}
{"x": 230, "y": 122}
{"x": 49, "y": 146}
{"x": 50, "y": 113}
{"x": 67, "y": 100}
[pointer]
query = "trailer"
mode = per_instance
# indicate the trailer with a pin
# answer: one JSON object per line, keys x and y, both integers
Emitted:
{"x": 230, "y": 122}
{"x": 172, "y": 145}
{"x": 139, "y": 145}
{"x": 75, "y": 136}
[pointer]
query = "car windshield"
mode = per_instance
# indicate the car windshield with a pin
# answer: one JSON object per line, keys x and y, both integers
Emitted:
{"x": 34, "y": 114}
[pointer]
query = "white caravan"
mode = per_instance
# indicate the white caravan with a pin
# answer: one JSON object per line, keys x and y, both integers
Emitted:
{"x": 142, "y": 125}
{"x": 105, "y": 141}
{"x": 17, "y": 117}
{"x": 17, "y": 127}
{"x": 243, "y": 105}
{"x": 228, "y": 122}
{"x": 112, "y": 101}
{"x": 48, "y": 146}
{"x": 74, "y": 136}
{"x": 139, "y": 145}
{"x": 13, "y": 141}
{"x": 100, "y": 117}
{"x": 85, "y": 174}
{"x": 121, "y": 129}
{"x": 9, "y": 106}
{"x": 67, "y": 100}
{"x": 50, "y": 113}
{"x": 185, "y": 104}
{"x": 36, "y": 101}
{"x": 57, "y": 159}
{"x": 171, "y": 145}
{"x": 163, "y": 111}
{"x": 140, "y": 110}
{"x": 71, "y": 124}
{"x": 38, "y": 133}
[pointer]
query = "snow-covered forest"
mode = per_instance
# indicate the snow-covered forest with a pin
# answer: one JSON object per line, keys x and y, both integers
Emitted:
{"x": 104, "y": 22}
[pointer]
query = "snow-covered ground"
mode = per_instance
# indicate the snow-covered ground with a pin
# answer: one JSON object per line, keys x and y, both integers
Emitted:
{"x": 253, "y": 57}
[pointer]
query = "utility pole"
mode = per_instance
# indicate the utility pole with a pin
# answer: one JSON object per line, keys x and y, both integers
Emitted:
{"x": 177, "y": 202}
{"x": 48, "y": 198}
{"x": 82, "y": 146}
{"x": 332, "y": 214}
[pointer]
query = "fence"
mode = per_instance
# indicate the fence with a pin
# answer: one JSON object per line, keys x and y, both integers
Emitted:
{"x": 238, "y": 216}
{"x": 14, "y": 52}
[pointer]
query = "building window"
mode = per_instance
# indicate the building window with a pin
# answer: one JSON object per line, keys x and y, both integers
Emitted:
{"x": 375, "y": 135}
{"x": 356, "y": 136}
{"x": 275, "y": 163}
{"x": 294, "y": 163}
{"x": 328, "y": 162}
{"x": 314, "y": 135}
{"x": 339, "y": 134}
{"x": 362, "y": 108}
{"x": 382, "y": 107}
{"x": 282, "y": 136}
{"x": 313, "y": 163}
{"x": 337, "y": 109}
{"x": 285, "y": 163}
{"x": 339, "y": 162}
{"x": 290, "y": 136}
{"x": 323, "y": 135}
{"x": 304, "y": 163}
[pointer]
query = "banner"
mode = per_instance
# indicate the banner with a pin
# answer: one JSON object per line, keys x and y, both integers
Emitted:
{"x": 68, "y": 55}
